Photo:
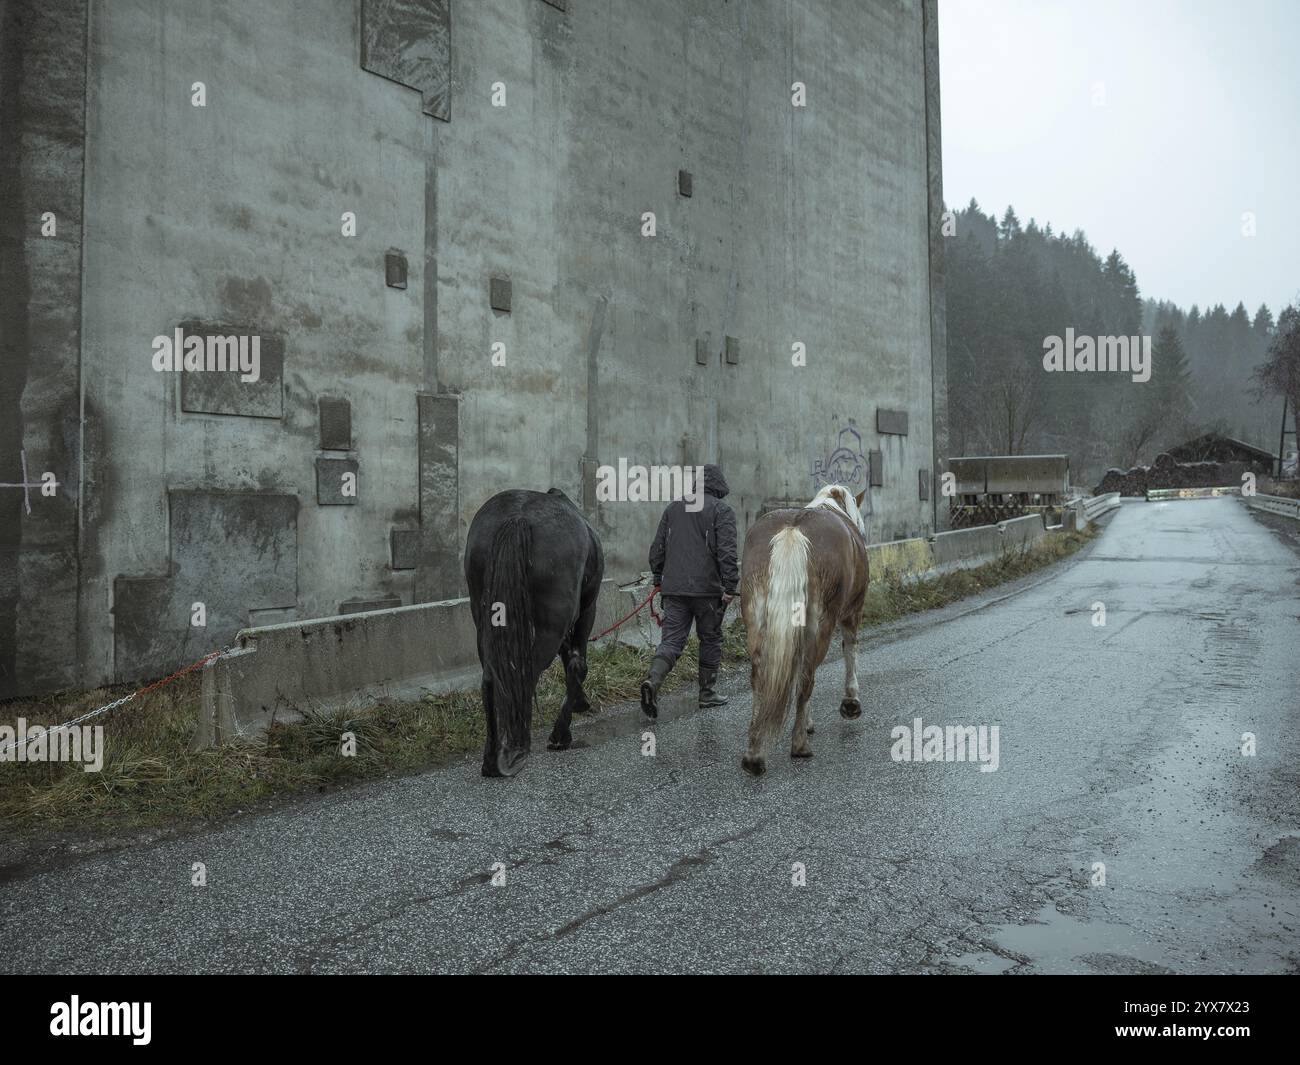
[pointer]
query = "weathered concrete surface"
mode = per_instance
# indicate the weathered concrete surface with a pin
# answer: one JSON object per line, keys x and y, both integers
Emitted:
{"x": 1119, "y": 744}
{"x": 960, "y": 545}
{"x": 805, "y": 225}
{"x": 42, "y": 129}
{"x": 1019, "y": 533}
{"x": 279, "y": 670}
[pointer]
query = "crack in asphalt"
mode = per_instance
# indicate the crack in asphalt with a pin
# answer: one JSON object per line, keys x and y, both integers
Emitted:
{"x": 680, "y": 870}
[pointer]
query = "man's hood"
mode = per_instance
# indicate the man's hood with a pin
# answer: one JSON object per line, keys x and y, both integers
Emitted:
{"x": 714, "y": 483}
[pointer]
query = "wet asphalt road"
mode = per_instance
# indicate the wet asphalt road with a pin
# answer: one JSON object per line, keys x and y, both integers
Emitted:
{"x": 1118, "y": 744}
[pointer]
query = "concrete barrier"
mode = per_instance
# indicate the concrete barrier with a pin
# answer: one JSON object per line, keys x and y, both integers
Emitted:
{"x": 901, "y": 558}
{"x": 1022, "y": 532}
{"x": 401, "y": 652}
{"x": 964, "y": 547}
{"x": 1289, "y": 508}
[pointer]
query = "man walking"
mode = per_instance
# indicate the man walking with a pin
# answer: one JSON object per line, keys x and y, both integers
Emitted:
{"x": 693, "y": 560}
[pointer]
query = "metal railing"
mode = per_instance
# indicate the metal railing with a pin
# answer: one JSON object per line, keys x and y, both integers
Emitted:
{"x": 1098, "y": 505}
{"x": 1275, "y": 505}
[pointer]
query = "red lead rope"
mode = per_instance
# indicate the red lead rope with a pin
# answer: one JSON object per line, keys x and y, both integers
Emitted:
{"x": 653, "y": 613}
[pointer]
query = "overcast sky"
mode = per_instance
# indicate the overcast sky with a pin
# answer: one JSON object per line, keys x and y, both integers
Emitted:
{"x": 1199, "y": 123}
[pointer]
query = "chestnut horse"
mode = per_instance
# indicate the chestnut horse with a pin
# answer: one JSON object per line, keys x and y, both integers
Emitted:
{"x": 804, "y": 575}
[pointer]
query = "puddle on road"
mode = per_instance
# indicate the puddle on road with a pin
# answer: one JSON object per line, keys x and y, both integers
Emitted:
{"x": 1054, "y": 942}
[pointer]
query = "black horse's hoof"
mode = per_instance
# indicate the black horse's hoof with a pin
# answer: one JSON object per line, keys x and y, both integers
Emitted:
{"x": 849, "y": 708}
{"x": 755, "y": 767}
{"x": 511, "y": 762}
{"x": 805, "y": 753}
{"x": 559, "y": 745}
{"x": 649, "y": 700}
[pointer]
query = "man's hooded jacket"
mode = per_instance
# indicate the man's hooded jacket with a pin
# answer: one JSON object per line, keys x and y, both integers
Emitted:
{"x": 694, "y": 552}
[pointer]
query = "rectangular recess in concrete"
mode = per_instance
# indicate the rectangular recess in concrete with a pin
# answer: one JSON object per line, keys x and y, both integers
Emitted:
{"x": 234, "y": 552}
{"x": 923, "y": 485}
{"x": 684, "y": 184}
{"x": 330, "y": 474}
{"x": 439, "y": 573}
{"x": 405, "y": 546}
{"x": 395, "y": 269}
{"x": 877, "y": 462}
{"x": 222, "y": 391}
{"x": 891, "y": 421}
{"x": 733, "y": 351}
{"x": 499, "y": 294}
{"x": 335, "y": 424}
{"x": 409, "y": 42}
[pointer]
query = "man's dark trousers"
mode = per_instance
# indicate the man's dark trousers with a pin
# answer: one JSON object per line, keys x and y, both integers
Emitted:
{"x": 679, "y": 612}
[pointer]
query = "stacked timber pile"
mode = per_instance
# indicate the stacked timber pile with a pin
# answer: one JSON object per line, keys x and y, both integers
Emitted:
{"x": 1166, "y": 473}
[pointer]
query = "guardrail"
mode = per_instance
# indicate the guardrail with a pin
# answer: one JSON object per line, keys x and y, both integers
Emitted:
{"x": 1154, "y": 494}
{"x": 1275, "y": 505}
{"x": 1098, "y": 505}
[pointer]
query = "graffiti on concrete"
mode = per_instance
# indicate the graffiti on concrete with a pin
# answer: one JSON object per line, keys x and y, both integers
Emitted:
{"x": 846, "y": 463}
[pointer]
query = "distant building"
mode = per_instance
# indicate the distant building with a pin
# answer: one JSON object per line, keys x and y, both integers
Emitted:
{"x": 1213, "y": 447}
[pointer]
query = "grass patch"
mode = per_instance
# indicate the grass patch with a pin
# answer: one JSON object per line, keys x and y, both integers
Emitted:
{"x": 151, "y": 777}
{"x": 892, "y": 598}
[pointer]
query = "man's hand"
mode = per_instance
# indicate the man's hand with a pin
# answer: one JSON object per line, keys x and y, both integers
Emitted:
{"x": 727, "y": 597}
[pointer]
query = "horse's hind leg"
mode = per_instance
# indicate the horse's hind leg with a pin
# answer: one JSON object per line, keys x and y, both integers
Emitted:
{"x": 851, "y": 706}
{"x": 573, "y": 657}
{"x": 575, "y": 668}
{"x": 799, "y": 739}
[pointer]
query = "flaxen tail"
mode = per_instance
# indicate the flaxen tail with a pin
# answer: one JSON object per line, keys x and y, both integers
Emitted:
{"x": 508, "y": 639}
{"x": 783, "y": 621}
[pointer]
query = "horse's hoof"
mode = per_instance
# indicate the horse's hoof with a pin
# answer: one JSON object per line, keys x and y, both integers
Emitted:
{"x": 755, "y": 767}
{"x": 810, "y": 730}
{"x": 805, "y": 752}
{"x": 511, "y": 762}
{"x": 649, "y": 703}
{"x": 583, "y": 707}
{"x": 559, "y": 745}
{"x": 850, "y": 708}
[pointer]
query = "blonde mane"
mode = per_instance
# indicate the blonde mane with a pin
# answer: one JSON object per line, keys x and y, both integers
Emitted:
{"x": 838, "y": 498}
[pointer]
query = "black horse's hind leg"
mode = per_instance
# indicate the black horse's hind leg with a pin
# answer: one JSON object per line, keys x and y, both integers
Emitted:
{"x": 573, "y": 656}
{"x": 575, "y": 700}
{"x": 490, "y": 749}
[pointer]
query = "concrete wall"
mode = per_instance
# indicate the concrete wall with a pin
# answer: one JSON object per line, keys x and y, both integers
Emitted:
{"x": 808, "y": 225}
{"x": 42, "y": 134}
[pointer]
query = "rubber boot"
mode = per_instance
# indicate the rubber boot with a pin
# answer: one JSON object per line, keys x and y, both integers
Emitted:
{"x": 659, "y": 668}
{"x": 708, "y": 697}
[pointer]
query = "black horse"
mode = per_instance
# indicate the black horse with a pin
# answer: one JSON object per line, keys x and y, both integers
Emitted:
{"x": 533, "y": 566}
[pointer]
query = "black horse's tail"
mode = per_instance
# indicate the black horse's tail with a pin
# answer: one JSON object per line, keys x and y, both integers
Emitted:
{"x": 508, "y": 642}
